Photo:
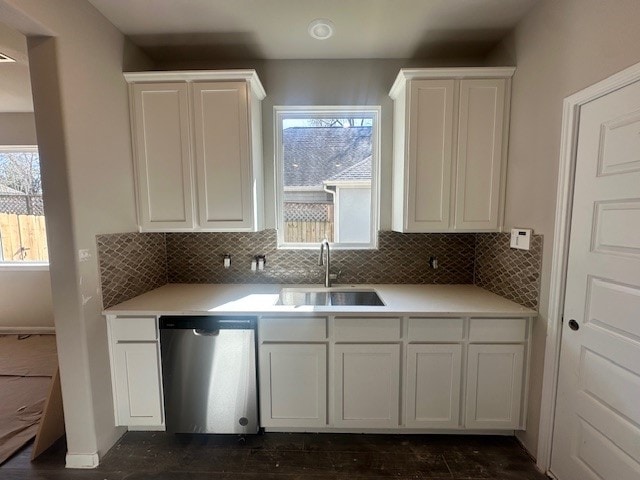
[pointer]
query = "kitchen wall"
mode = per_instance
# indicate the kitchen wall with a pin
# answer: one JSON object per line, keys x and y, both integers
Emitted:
{"x": 130, "y": 265}
{"x": 560, "y": 47}
{"x": 134, "y": 263}
{"x": 82, "y": 119}
{"x": 26, "y": 293}
{"x": 511, "y": 273}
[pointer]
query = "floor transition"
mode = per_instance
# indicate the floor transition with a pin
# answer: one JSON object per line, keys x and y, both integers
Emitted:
{"x": 159, "y": 456}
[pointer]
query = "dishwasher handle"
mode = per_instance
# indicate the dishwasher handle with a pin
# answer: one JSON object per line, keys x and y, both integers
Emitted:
{"x": 200, "y": 324}
{"x": 205, "y": 332}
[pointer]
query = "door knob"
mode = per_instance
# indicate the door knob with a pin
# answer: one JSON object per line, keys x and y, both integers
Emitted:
{"x": 573, "y": 325}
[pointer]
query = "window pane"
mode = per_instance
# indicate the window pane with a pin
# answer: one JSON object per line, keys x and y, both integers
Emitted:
{"x": 327, "y": 175}
{"x": 22, "y": 228}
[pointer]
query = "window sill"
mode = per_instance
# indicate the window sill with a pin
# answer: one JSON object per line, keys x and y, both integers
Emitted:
{"x": 316, "y": 246}
{"x": 24, "y": 267}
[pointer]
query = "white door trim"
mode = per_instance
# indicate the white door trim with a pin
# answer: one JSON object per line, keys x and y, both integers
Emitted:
{"x": 566, "y": 174}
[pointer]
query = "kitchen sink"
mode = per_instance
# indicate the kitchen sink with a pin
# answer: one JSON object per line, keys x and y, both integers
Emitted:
{"x": 302, "y": 297}
{"x": 327, "y": 298}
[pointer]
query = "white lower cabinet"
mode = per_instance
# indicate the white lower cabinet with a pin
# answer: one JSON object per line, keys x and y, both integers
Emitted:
{"x": 135, "y": 372}
{"x": 293, "y": 385}
{"x": 433, "y": 385}
{"x": 408, "y": 373}
{"x": 138, "y": 392}
{"x": 494, "y": 386}
{"x": 367, "y": 385}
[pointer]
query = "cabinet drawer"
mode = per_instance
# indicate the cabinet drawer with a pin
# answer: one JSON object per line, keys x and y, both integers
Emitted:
{"x": 436, "y": 329}
{"x": 369, "y": 329}
{"x": 134, "y": 328}
{"x": 293, "y": 329}
{"x": 498, "y": 330}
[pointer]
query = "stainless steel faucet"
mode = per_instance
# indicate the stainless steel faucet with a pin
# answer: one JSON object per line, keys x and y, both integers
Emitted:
{"x": 327, "y": 277}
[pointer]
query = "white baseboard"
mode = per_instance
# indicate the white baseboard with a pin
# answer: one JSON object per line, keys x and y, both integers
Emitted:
{"x": 27, "y": 331}
{"x": 82, "y": 460}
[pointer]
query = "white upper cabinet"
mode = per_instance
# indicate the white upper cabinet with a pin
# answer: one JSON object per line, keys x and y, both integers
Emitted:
{"x": 160, "y": 117}
{"x": 479, "y": 167}
{"x": 450, "y": 130}
{"x": 198, "y": 150}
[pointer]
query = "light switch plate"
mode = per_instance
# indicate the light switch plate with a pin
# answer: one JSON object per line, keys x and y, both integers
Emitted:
{"x": 521, "y": 238}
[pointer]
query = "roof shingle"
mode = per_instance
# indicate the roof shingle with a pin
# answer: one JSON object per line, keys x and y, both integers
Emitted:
{"x": 315, "y": 154}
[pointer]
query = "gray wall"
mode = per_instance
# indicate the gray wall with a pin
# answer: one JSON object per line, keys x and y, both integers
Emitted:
{"x": 17, "y": 129}
{"x": 26, "y": 294}
{"x": 559, "y": 48}
{"x": 26, "y": 299}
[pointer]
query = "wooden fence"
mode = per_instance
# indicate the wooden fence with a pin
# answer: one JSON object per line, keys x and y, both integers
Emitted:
{"x": 23, "y": 237}
{"x": 308, "y": 232}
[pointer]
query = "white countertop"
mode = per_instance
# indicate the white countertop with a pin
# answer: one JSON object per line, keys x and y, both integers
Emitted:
{"x": 260, "y": 299}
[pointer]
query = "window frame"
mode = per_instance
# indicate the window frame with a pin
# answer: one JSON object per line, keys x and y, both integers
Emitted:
{"x": 282, "y": 112}
{"x": 13, "y": 265}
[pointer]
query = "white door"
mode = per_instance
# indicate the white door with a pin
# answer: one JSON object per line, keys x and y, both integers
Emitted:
{"x": 433, "y": 385}
{"x": 494, "y": 386}
{"x": 293, "y": 385}
{"x": 597, "y": 422}
{"x": 137, "y": 382}
{"x": 222, "y": 151}
{"x": 160, "y": 118}
{"x": 367, "y": 386}
{"x": 479, "y": 153}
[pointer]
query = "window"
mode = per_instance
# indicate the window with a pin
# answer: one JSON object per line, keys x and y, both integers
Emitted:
{"x": 327, "y": 176}
{"x": 23, "y": 237}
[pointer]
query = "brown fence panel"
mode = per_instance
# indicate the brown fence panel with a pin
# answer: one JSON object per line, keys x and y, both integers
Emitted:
{"x": 23, "y": 237}
{"x": 308, "y": 232}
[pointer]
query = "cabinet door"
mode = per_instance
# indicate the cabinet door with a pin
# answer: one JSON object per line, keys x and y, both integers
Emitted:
{"x": 479, "y": 154}
{"x": 494, "y": 386}
{"x": 433, "y": 385}
{"x": 367, "y": 386}
{"x": 293, "y": 385}
{"x": 430, "y": 140}
{"x": 138, "y": 384}
{"x": 160, "y": 119}
{"x": 221, "y": 124}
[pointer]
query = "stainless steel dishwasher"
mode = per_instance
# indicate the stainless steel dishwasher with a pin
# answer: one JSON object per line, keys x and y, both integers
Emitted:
{"x": 209, "y": 374}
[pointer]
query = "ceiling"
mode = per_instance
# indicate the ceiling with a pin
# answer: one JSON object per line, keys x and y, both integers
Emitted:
{"x": 277, "y": 29}
{"x": 15, "y": 84}
{"x": 170, "y": 30}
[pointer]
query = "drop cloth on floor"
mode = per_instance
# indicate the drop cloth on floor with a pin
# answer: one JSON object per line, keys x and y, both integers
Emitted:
{"x": 27, "y": 364}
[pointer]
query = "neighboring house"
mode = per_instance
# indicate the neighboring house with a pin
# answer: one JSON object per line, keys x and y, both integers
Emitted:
{"x": 315, "y": 159}
{"x": 352, "y": 195}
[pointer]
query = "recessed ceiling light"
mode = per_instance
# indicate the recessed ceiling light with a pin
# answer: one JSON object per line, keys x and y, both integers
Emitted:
{"x": 321, "y": 28}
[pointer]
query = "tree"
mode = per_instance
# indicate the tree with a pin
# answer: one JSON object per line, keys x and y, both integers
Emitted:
{"x": 341, "y": 122}
{"x": 21, "y": 170}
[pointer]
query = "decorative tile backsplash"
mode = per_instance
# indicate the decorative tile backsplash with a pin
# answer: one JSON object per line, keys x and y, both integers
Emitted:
{"x": 511, "y": 273}
{"x": 400, "y": 258}
{"x": 134, "y": 263}
{"x": 130, "y": 265}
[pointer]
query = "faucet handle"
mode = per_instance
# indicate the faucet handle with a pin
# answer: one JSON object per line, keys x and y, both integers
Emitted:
{"x": 335, "y": 276}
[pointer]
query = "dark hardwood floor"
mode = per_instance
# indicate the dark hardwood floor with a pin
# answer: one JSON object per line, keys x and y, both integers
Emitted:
{"x": 159, "y": 456}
